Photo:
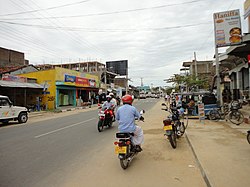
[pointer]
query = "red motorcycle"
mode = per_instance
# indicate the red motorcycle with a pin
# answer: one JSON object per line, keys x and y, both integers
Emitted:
{"x": 105, "y": 118}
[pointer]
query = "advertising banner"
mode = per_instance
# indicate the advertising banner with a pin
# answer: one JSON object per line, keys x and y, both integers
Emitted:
{"x": 227, "y": 26}
{"x": 69, "y": 78}
{"x": 246, "y": 8}
{"x": 82, "y": 81}
{"x": 14, "y": 78}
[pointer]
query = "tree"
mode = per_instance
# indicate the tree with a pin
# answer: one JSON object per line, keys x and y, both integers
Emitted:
{"x": 188, "y": 82}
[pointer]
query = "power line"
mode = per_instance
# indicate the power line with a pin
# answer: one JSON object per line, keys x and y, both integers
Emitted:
{"x": 104, "y": 30}
{"x": 78, "y": 41}
{"x": 109, "y": 13}
{"x": 50, "y": 8}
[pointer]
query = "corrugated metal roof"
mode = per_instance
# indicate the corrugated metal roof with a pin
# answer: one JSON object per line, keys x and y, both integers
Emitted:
{"x": 19, "y": 84}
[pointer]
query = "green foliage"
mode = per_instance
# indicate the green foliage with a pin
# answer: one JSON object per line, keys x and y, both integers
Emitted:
{"x": 189, "y": 81}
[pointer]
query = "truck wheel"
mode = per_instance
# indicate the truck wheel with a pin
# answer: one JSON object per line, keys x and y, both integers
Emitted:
{"x": 22, "y": 117}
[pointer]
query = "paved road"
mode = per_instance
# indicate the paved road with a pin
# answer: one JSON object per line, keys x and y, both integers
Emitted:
{"x": 42, "y": 153}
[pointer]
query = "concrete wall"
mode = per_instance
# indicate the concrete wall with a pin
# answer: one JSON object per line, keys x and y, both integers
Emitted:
{"x": 11, "y": 58}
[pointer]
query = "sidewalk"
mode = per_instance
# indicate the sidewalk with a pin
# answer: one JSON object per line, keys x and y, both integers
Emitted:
{"x": 220, "y": 149}
{"x": 222, "y": 152}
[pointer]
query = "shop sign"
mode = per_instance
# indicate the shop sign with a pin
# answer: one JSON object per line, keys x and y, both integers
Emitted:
{"x": 69, "y": 78}
{"x": 82, "y": 81}
{"x": 227, "y": 28}
{"x": 246, "y": 8}
{"x": 14, "y": 78}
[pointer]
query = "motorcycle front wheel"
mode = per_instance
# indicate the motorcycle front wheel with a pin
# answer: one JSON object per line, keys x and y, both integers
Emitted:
{"x": 124, "y": 163}
{"x": 100, "y": 125}
{"x": 236, "y": 117}
{"x": 172, "y": 140}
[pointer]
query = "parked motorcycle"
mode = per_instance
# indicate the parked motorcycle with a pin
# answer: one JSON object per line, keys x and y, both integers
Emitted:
{"x": 173, "y": 126}
{"x": 105, "y": 118}
{"x": 125, "y": 148}
{"x": 248, "y": 136}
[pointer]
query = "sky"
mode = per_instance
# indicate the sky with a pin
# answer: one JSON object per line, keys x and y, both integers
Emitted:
{"x": 156, "y": 37}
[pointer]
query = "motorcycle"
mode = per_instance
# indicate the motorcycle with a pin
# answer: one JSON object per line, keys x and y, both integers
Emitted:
{"x": 105, "y": 118}
{"x": 174, "y": 127}
{"x": 125, "y": 147}
{"x": 248, "y": 136}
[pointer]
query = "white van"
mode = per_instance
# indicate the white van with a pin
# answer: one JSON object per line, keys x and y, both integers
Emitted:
{"x": 8, "y": 112}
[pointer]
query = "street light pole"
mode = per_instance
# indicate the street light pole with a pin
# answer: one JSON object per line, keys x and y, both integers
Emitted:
{"x": 127, "y": 80}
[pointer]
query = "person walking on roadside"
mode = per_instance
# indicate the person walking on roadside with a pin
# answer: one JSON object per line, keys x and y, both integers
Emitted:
{"x": 125, "y": 116}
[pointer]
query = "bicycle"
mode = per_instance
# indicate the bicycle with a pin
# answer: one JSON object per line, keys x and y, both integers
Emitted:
{"x": 231, "y": 110}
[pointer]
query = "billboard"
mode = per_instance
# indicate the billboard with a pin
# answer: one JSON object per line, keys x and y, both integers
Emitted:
{"x": 227, "y": 27}
{"x": 119, "y": 67}
{"x": 246, "y": 8}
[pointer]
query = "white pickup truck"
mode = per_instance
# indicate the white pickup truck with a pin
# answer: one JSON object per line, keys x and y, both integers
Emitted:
{"x": 8, "y": 112}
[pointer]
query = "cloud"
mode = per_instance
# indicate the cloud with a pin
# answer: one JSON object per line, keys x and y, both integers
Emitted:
{"x": 155, "y": 41}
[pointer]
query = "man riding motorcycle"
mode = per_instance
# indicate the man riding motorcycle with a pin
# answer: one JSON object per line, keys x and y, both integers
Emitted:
{"x": 108, "y": 104}
{"x": 125, "y": 116}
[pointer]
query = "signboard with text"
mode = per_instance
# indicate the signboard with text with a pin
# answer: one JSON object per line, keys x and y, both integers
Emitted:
{"x": 246, "y": 8}
{"x": 227, "y": 26}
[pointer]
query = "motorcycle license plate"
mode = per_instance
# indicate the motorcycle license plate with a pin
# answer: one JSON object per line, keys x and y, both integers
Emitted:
{"x": 121, "y": 150}
{"x": 168, "y": 127}
{"x": 101, "y": 114}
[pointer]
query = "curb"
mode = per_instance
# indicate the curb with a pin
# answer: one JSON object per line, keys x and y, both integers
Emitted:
{"x": 203, "y": 173}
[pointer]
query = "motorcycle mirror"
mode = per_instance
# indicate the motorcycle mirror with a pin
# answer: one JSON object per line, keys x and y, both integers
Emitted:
{"x": 142, "y": 112}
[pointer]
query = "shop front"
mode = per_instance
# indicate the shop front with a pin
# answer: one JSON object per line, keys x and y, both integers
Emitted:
{"x": 64, "y": 87}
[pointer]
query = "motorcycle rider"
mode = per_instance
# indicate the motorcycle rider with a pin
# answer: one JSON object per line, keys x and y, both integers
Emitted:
{"x": 107, "y": 104}
{"x": 126, "y": 115}
{"x": 114, "y": 102}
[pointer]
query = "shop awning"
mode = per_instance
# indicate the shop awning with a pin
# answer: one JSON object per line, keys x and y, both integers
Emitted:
{"x": 240, "y": 50}
{"x": 19, "y": 84}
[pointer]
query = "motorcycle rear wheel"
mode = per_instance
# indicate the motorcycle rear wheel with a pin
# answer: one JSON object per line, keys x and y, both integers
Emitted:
{"x": 172, "y": 140}
{"x": 100, "y": 125}
{"x": 124, "y": 163}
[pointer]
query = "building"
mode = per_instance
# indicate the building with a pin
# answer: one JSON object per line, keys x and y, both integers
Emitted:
{"x": 11, "y": 58}
{"x": 204, "y": 68}
{"x": 95, "y": 68}
{"x": 64, "y": 87}
{"x": 236, "y": 61}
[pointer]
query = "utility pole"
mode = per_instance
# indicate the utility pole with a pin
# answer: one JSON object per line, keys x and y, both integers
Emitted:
{"x": 195, "y": 64}
{"x": 126, "y": 80}
{"x": 141, "y": 81}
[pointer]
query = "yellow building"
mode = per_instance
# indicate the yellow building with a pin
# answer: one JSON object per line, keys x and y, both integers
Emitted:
{"x": 64, "y": 87}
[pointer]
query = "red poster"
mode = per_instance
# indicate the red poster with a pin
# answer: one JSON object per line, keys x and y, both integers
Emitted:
{"x": 82, "y": 81}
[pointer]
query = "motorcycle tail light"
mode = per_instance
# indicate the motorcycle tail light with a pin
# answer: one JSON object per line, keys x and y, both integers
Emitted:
{"x": 116, "y": 143}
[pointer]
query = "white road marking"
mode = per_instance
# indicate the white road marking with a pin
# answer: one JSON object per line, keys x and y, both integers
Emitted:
{"x": 38, "y": 136}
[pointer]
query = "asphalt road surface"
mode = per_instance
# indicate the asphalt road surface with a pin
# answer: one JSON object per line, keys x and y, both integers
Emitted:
{"x": 67, "y": 150}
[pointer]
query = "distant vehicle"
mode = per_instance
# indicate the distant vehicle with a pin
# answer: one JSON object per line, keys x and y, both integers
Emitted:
{"x": 8, "y": 112}
{"x": 142, "y": 96}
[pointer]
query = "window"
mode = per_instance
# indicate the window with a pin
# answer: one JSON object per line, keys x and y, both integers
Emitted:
{"x": 4, "y": 102}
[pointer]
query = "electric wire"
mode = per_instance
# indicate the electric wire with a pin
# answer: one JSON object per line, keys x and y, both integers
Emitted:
{"x": 76, "y": 37}
{"x": 105, "y": 30}
{"x": 108, "y": 13}
{"x": 37, "y": 42}
{"x": 49, "y": 8}
{"x": 78, "y": 42}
